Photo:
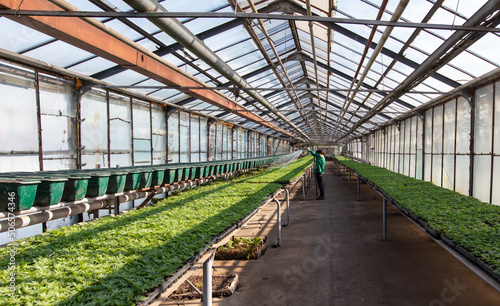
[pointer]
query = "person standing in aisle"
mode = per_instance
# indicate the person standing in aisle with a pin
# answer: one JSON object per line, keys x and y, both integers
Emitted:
{"x": 319, "y": 171}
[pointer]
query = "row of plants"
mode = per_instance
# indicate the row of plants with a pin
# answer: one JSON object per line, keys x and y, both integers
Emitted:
{"x": 280, "y": 173}
{"x": 116, "y": 260}
{"x": 469, "y": 223}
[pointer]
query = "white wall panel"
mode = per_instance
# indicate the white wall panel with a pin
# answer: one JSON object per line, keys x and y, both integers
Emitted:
{"x": 18, "y": 117}
{"x": 94, "y": 129}
{"x": 437, "y": 133}
{"x": 482, "y": 178}
{"x": 448, "y": 171}
{"x": 496, "y": 148}
{"x": 462, "y": 174}
{"x": 437, "y": 162}
{"x": 184, "y": 137}
{"x": 173, "y": 137}
{"x": 496, "y": 181}
{"x": 449, "y": 127}
{"x": 463, "y": 126}
{"x": 483, "y": 120}
{"x": 159, "y": 134}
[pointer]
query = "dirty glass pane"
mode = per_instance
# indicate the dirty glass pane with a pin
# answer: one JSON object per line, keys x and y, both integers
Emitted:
{"x": 462, "y": 174}
{"x": 173, "y": 138}
{"x": 212, "y": 141}
{"x": 484, "y": 119}
{"x": 94, "y": 129}
{"x": 184, "y": 137}
{"x": 482, "y": 178}
{"x": 203, "y": 139}
{"x": 448, "y": 171}
{"x": 142, "y": 133}
{"x": 159, "y": 135}
{"x": 496, "y": 136}
{"x": 18, "y": 118}
{"x": 449, "y": 127}
{"x": 463, "y": 126}
{"x": 437, "y": 133}
{"x": 120, "y": 124}
{"x": 195, "y": 139}
{"x": 496, "y": 181}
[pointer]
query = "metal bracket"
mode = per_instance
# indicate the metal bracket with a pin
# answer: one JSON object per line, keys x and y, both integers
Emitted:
{"x": 421, "y": 114}
{"x": 170, "y": 110}
{"x": 211, "y": 121}
{"x": 466, "y": 95}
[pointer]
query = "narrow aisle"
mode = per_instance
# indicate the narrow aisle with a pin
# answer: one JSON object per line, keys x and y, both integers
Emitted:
{"x": 333, "y": 254}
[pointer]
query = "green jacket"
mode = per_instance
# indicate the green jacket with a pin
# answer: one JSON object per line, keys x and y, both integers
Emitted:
{"x": 320, "y": 162}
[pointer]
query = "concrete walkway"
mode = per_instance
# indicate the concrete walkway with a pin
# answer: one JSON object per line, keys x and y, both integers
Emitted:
{"x": 333, "y": 254}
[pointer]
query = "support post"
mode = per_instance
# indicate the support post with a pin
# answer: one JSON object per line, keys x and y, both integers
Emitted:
{"x": 384, "y": 221}
{"x": 310, "y": 176}
{"x": 278, "y": 243}
{"x": 207, "y": 280}
{"x": 358, "y": 185}
{"x": 117, "y": 206}
{"x": 287, "y": 207}
{"x": 303, "y": 188}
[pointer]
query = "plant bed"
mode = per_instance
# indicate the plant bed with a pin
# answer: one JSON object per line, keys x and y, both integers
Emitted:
{"x": 222, "y": 285}
{"x": 239, "y": 248}
{"x": 463, "y": 222}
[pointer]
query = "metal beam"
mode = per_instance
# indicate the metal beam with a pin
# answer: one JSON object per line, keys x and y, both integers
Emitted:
{"x": 343, "y": 89}
{"x": 238, "y": 15}
{"x": 122, "y": 51}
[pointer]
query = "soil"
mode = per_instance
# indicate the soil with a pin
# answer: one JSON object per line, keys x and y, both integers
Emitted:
{"x": 219, "y": 283}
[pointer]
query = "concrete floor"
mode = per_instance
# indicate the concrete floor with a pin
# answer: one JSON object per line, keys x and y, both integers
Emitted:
{"x": 333, "y": 254}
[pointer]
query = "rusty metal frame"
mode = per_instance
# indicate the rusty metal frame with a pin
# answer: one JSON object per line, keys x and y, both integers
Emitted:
{"x": 39, "y": 119}
{"x": 132, "y": 130}
{"x": 108, "y": 121}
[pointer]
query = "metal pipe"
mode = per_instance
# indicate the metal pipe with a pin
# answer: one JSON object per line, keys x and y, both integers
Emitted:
{"x": 287, "y": 193}
{"x": 278, "y": 243}
{"x": 40, "y": 217}
{"x": 181, "y": 34}
{"x": 207, "y": 280}
{"x": 313, "y": 47}
{"x": 238, "y": 15}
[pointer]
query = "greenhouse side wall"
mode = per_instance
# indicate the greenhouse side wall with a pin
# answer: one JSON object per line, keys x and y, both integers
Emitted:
{"x": 46, "y": 124}
{"x": 455, "y": 145}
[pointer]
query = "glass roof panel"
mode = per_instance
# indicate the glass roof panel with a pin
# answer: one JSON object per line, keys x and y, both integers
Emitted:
{"x": 18, "y": 38}
{"x": 237, "y": 47}
{"x": 92, "y": 66}
{"x": 58, "y": 53}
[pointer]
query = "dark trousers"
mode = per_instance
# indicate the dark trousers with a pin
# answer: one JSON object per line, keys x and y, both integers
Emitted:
{"x": 321, "y": 186}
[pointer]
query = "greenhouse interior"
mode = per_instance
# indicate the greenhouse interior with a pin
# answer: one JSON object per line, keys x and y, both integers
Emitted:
{"x": 233, "y": 152}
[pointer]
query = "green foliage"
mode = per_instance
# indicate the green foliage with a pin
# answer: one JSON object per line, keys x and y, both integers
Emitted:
{"x": 470, "y": 223}
{"x": 248, "y": 246}
{"x": 115, "y": 260}
{"x": 281, "y": 174}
